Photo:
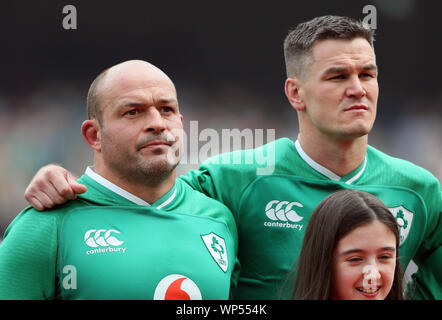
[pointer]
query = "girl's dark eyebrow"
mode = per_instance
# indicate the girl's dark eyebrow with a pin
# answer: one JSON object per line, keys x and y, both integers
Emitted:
{"x": 357, "y": 250}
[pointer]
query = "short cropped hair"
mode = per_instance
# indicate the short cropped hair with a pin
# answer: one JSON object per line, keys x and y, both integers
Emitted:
{"x": 300, "y": 40}
{"x": 94, "y": 108}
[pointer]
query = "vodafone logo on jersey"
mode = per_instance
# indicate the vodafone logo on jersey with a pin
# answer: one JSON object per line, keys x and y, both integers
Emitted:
{"x": 177, "y": 287}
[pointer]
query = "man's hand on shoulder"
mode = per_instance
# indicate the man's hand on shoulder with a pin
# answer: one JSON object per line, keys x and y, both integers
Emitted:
{"x": 52, "y": 185}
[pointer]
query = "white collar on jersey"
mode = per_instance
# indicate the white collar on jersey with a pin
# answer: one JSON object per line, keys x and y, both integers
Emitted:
{"x": 129, "y": 196}
{"x": 321, "y": 169}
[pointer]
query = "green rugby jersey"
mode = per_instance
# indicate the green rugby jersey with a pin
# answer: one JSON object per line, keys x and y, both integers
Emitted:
{"x": 109, "y": 244}
{"x": 272, "y": 211}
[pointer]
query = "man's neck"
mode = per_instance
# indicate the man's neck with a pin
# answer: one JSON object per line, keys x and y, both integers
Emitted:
{"x": 339, "y": 156}
{"x": 147, "y": 190}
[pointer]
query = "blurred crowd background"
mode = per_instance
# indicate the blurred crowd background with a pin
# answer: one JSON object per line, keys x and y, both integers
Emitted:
{"x": 226, "y": 61}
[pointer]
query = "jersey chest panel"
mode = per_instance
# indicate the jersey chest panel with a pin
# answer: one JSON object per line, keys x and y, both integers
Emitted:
{"x": 272, "y": 218}
{"x": 128, "y": 253}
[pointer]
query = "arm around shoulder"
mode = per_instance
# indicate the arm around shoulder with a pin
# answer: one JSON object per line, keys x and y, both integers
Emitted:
{"x": 427, "y": 281}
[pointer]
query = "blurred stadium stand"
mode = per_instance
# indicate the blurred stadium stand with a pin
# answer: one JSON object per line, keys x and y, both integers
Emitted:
{"x": 227, "y": 64}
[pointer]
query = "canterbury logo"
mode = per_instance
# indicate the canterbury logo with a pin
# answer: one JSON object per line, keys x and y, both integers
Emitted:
{"x": 282, "y": 211}
{"x": 101, "y": 238}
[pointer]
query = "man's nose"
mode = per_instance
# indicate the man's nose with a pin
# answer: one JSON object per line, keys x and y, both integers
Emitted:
{"x": 155, "y": 121}
{"x": 355, "y": 88}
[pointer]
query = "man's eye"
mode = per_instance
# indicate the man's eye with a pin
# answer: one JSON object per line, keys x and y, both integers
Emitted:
{"x": 132, "y": 112}
{"x": 167, "y": 109}
{"x": 338, "y": 77}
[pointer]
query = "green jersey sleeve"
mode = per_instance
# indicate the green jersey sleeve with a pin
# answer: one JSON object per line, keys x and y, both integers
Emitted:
{"x": 428, "y": 279}
{"x": 427, "y": 282}
{"x": 228, "y": 191}
{"x": 28, "y": 257}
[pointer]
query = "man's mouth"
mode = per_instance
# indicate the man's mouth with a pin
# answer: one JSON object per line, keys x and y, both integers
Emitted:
{"x": 357, "y": 107}
{"x": 156, "y": 143}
